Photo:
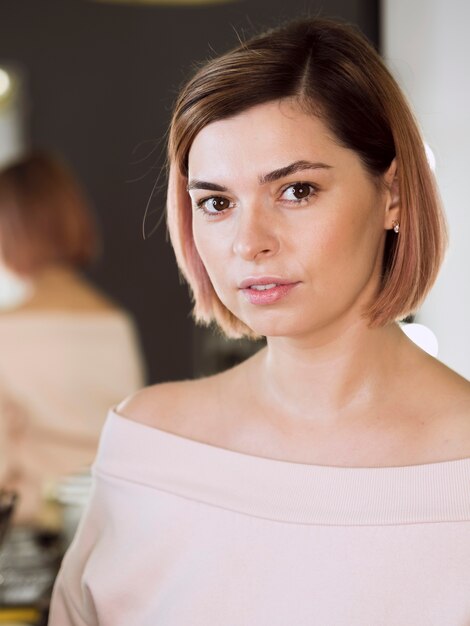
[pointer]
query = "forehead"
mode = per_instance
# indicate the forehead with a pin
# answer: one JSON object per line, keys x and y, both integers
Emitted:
{"x": 264, "y": 137}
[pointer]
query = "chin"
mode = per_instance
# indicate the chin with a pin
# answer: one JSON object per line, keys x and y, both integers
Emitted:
{"x": 299, "y": 323}
{"x": 281, "y": 327}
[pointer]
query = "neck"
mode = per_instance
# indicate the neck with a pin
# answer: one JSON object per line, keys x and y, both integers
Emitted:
{"x": 331, "y": 379}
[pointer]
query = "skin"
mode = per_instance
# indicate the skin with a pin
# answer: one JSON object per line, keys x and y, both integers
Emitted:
{"x": 327, "y": 389}
{"x": 332, "y": 242}
{"x": 60, "y": 288}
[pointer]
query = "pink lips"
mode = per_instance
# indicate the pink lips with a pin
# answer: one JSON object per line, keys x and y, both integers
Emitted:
{"x": 266, "y": 296}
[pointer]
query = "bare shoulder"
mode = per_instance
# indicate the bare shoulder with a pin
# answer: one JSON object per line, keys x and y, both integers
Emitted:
{"x": 204, "y": 409}
{"x": 446, "y": 395}
{"x": 450, "y": 391}
{"x": 178, "y": 407}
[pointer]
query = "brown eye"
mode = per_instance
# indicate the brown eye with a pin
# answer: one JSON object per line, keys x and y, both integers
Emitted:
{"x": 219, "y": 204}
{"x": 297, "y": 192}
{"x": 301, "y": 190}
{"x": 214, "y": 205}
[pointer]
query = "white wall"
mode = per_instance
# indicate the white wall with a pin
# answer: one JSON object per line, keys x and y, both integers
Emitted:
{"x": 427, "y": 48}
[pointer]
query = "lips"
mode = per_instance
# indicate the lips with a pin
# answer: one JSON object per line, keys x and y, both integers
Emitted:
{"x": 266, "y": 290}
{"x": 263, "y": 281}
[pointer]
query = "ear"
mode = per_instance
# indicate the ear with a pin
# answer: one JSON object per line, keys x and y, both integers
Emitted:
{"x": 392, "y": 196}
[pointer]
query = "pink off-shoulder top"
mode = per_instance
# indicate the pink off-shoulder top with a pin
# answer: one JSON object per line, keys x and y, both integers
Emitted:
{"x": 183, "y": 533}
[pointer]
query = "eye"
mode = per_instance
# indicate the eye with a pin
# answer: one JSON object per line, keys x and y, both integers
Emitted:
{"x": 298, "y": 192}
{"x": 213, "y": 205}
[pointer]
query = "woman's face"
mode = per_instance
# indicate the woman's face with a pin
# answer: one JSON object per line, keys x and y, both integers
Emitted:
{"x": 288, "y": 223}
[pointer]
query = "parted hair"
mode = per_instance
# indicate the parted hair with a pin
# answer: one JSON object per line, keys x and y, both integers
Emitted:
{"x": 44, "y": 216}
{"x": 336, "y": 74}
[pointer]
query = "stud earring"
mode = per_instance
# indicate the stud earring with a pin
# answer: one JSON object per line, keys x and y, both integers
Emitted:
{"x": 396, "y": 226}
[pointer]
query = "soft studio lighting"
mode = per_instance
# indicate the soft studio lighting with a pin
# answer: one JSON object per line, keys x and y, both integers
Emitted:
{"x": 422, "y": 336}
{"x": 5, "y": 83}
{"x": 430, "y": 157}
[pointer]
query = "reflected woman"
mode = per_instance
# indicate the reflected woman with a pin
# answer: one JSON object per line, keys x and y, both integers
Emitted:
{"x": 66, "y": 349}
{"x": 325, "y": 479}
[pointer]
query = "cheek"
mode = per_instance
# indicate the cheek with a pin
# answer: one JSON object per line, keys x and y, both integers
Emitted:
{"x": 364, "y": 223}
{"x": 202, "y": 244}
{"x": 328, "y": 242}
{"x": 345, "y": 245}
{"x": 210, "y": 250}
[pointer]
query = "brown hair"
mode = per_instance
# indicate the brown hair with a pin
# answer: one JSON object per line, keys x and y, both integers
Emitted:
{"x": 337, "y": 75}
{"x": 44, "y": 217}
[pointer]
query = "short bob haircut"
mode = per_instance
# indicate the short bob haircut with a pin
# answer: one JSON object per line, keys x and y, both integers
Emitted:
{"x": 44, "y": 217}
{"x": 335, "y": 74}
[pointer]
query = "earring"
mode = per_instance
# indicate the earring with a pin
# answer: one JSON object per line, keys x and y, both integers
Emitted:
{"x": 396, "y": 226}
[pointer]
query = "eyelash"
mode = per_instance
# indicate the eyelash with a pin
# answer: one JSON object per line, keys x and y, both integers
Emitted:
{"x": 313, "y": 192}
{"x": 200, "y": 205}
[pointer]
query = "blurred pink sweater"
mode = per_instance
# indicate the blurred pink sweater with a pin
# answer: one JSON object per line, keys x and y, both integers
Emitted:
{"x": 183, "y": 533}
{"x": 59, "y": 373}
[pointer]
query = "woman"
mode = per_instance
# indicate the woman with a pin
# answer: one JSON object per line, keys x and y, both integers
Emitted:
{"x": 67, "y": 351}
{"x": 324, "y": 480}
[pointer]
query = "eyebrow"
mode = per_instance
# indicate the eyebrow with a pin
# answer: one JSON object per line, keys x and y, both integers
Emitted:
{"x": 297, "y": 166}
{"x": 292, "y": 168}
{"x": 201, "y": 184}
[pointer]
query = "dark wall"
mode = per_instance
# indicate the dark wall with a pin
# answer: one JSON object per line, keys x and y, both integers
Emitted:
{"x": 101, "y": 79}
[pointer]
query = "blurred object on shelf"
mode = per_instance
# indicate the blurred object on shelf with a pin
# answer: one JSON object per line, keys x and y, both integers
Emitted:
{"x": 72, "y": 494}
{"x": 62, "y": 505}
{"x": 7, "y": 506}
{"x": 29, "y": 561}
{"x": 50, "y": 516}
{"x": 19, "y": 617}
{"x": 30, "y": 556}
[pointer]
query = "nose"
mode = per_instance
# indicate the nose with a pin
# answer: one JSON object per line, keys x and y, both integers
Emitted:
{"x": 255, "y": 235}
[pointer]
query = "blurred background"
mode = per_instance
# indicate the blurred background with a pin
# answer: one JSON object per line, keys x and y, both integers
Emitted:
{"x": 93, "y": 81}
